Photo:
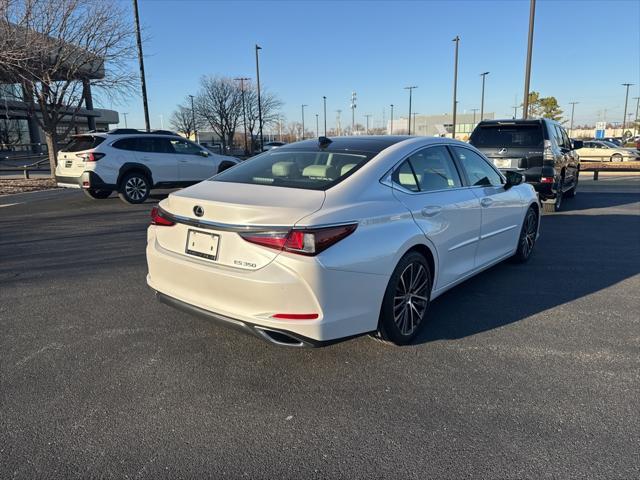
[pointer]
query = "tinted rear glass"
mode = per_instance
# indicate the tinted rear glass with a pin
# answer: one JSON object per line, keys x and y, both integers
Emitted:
{"x": 508, "y": 136}
{"x": 83, "y": 142}
{"x": 311, "y": 170}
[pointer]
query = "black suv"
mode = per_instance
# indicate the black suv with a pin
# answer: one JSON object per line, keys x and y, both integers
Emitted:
{"x": 539, "y": 149}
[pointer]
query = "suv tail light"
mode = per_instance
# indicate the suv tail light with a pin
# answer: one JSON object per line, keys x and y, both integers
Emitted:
{"x": 547, "y": 154}
{"x": 310, "y": 241}
{"x": 91, "y": 156}
{"x": 157, "y": 218}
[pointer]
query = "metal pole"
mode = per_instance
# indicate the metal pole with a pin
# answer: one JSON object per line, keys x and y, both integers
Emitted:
{"x": 258, "y": 47}
{"x": 455, "y": 87}
{"x": 367, "y": 117}
{"x": 483, "y": 75}
{"x": 515, "y": 111}
{"x": 474, "y": 110}
{"x": 143, "y": 83}
{"x": 353, "y": 112}
{"x": 391, "y": 129}
{"x": 324, "y": 100}
{"x": 410, "y": 97}
{"x": 124, "y": 114}
{"x": 635, "y": 125}
{"x": 626, "y": 100}
{"x": 244, "y": 114}
{"x": 193, "y": 121}
{"x": 527, "y": 74}
{"x": 573, "y": 107}
{"x": 317, "y": 126}
{"x": 415, "y": 128}
{"x": 303, "y": 105}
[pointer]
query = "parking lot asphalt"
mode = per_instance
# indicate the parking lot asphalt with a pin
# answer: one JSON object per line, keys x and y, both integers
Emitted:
{"x": 525, "y": 371}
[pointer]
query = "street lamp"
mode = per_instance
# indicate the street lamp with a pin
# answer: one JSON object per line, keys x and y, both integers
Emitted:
{"x": 455, "y": 86}
{"x": 258, "y": 47}
{"x": 244, "y": 113}
{"x": 527, "y": 74}
{"x": 303, "y": 105}
{"x": 193, "y": 120}
{"x": 573, "y": 107}
{"x": 124, "y": 114}
{"x": 626, "y": 100}
{"x": 635, "y": 125}
{"x": 483, "y": 75}
{"x": 415, "y": 128}
{"x": 474, "y": 110}
{"x": 143, "y": 83}
{"x": 391, "y": 129}
{"x": 367, "y": 116}
{"x": 317, "y": 126}
{"x": 324, "y": 101}
{"x": 353, "y": 112}
{"x": 410, "y": 95}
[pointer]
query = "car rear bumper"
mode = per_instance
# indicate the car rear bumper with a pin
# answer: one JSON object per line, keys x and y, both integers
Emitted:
{"x": 347, "y": 303}
{"x": 68, "y": 182}
{"x": 87, "y": 180}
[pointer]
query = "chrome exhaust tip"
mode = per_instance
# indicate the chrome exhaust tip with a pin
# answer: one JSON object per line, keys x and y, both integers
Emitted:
{"x": 278, "y": 338}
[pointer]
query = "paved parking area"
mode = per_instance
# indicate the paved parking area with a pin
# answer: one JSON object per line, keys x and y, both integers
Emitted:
{"x": 526, "y": 371}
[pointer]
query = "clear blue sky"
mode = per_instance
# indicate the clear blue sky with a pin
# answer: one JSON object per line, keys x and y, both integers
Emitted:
{"x": 583, "y": 51}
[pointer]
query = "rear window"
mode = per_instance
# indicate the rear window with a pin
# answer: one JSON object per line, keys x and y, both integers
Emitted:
{"x": 311, "y": 170}
{"x": 508, "y": 136}
{"x": 83, "y": 142}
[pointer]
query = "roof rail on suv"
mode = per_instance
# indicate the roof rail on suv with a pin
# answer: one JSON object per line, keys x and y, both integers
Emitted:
{"x": 133, "y": 131}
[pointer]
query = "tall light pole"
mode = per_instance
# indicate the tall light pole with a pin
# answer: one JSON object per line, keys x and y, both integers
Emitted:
{"x": 527, "y": 73}
{"x": 415, "y": 128}
{"x": 193, "y": 122}
{"x": 324, "y": 102}
{"x": 353, "y": 112}
{"x": 484, "y": 76}
{"x": 258, "y": 47}
{"x": 573, "y": 107}
{"x": 317, "y": 126}
{"x": 303, "y": 105}
{"x": 474, "y": 110}
{"x": 367, "y": 116}
{"x": 455, "y": 86}
{"x": 124, "y": 114}
{"x": 143, "y": 82}
{"x": 244, "y": 113}
{"x": 391, "y": 129}
{"x": 338, "y": 122}
{"x": 410, "y": 95}
{"x": 626, "y": 100}
{"x": 635, "y": 125}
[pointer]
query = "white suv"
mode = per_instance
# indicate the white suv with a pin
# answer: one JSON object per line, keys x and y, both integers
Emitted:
{"x": 133, "y": 162}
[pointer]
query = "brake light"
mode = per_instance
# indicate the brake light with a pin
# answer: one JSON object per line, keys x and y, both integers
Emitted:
{"x": 310, "y": 241}
{"x": 546, "y": 180}
{"x": 547, "y": 153}
{"x": 91, "y": 156}
{"x": 157, "y": 218}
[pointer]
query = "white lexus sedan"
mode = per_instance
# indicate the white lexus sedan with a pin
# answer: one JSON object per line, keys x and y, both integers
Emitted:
{"x": 325, "y": 239}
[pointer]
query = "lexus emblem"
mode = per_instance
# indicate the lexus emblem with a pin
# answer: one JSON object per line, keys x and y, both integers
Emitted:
{"x": 502, "y": 150}
{"x": 198, "y": 211}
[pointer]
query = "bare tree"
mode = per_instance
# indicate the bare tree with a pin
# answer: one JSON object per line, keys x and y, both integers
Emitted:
{"x": 270, "y": 105}
{"x": 219, "y": 105}
{"x": 57, "y": 50}
{"x": 182, "y": 121}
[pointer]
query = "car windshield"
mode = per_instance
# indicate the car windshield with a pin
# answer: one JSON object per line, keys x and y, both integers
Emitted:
{"x": 507, "y": 136}
{"x": 82, "y": 142}
{"x": 311, "y": 170}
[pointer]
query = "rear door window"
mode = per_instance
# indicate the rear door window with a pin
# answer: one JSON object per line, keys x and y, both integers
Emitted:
{"x": 428, "y": 170}
{"x": 83, "y": 142}
{"x": 478, "y": 170}
{"x": 184, "y": 147}
{"x": 514, "y": 136}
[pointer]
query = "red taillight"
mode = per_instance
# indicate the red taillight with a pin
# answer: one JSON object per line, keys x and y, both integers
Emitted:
{"x": 546, "y": 180}
{"x": 157, "y": 218}
{"x": 91, "y": 156}
{"x": 305, "y": 242}
{"x": 295, "y": 316}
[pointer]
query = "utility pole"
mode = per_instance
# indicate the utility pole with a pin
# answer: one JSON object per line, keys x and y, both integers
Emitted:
{"x": 353, "y": 112}
{"x": 455, "y": 86}
{"x": 415, "y": 127}
{"x": 635, "y": 125}
{"x": 258, "y": 47}
{"x": 193, "y": 122}
{"x": 410, "y": 95}
{"x": 324, "y": 101}
{"x": 474, "y": 110}
{"x": 483, "y": 75}
{"x": 515, "y": 112}
{"x": 626, "y": 100}
{"x": 303, "y": 105}
{"x": 317, "y": 126}
{"x": 124, "y": 114}
{"x": 367, "y": 116}
{"x": 143, "y": 83}
{"x": 391, "y": 129}
{"x": 573, "y": 107}
{"x": 339, "y": 122}
{"x": 527, "y": 74}
{"x": 244, "y": 113}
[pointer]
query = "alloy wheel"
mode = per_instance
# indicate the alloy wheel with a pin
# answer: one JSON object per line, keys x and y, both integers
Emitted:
{"x": 135, "y": 188}
{"x": 411, "y": 298}
{"x": 528, "y": 238}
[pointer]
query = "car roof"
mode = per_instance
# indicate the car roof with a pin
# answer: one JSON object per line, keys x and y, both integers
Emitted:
{"x": 360, "y": 143}
{"x": 520, "y": 121}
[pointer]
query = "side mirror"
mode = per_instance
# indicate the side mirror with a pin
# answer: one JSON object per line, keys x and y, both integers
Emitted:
{"x": 204, "y": 153}
{"x": 513, "y": 178}
{"x": 577, "y": 144}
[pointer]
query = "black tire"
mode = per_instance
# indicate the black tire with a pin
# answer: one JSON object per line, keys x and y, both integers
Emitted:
{"x": 552, "y": 207}
{"x": 134, "y": 188}
{"x": 406, "y": 300}
{"x": 527, "y": 239}
{"x": 97, "y": 194}
{"x": 573, "y": 190}
{"x": 616, "y": 157}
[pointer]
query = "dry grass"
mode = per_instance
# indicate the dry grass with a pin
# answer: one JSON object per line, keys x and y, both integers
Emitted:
{"x": 8, "y": 186}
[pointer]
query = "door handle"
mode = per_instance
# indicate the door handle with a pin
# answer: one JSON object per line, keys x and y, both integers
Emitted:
{"x": 486, "y": 202}
{"x": 146, "y": 159}
{"x": 431, "y": 210}
{"x": 183, "y": 161}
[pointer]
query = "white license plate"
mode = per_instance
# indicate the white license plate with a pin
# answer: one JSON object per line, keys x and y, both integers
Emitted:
{"x": 502, "y": 162}
{"x": 202, "y": 244}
